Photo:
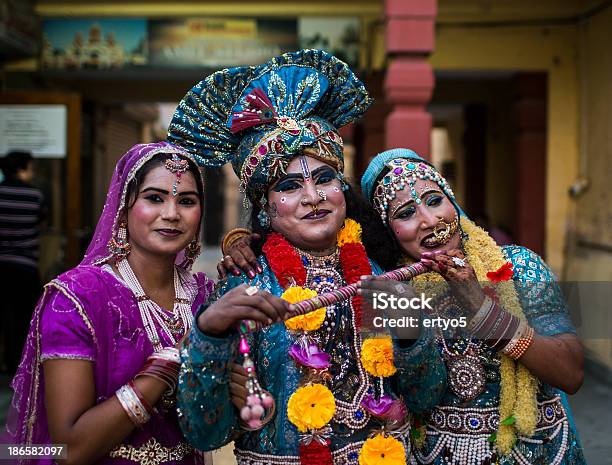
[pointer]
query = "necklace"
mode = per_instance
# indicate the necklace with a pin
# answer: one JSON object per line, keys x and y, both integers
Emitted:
{"x": 174, "y": 325}
{"x": 321, "y": 271}
{"x": 466, "y": 375}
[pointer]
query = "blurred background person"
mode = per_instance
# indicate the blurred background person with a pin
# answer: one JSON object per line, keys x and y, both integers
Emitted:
{"x": 22, "y": 211}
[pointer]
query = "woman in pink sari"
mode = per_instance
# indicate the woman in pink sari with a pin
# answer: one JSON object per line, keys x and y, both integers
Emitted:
{"x": 99, "y": 366}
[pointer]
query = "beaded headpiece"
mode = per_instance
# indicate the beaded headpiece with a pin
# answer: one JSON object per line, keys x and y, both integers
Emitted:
{"x": 259, "y": 118}
{"x": 178, "y": 166}
{"x": 404, "y": 167}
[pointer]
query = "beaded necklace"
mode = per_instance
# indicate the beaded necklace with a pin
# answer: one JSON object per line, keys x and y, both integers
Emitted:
{"x": 174, "y": 325}
{"x": 313, "y": 406}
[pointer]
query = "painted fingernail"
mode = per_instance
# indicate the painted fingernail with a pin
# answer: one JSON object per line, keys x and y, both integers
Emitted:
{"x": 236, "y": 273}
{"x": 427, "y": 255}
{"x": 259, "y": 269}
{"x": 251, "y": 274}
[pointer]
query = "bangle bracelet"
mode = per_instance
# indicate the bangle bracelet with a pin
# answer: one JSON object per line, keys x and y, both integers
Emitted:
{"x": 507, "y": 333}
{"x": 231, "y": 237}
{"x": 481, "y": 315}
{"x": 511, "y": 343}
{"x": 136, "y": 411}
{"x": 522, "y": 345}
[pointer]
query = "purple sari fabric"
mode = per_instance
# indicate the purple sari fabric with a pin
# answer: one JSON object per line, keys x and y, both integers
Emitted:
{"x": 88, "y": 313}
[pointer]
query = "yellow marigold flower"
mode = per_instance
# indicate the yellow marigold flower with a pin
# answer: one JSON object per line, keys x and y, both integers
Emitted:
{"x": 350, "y": 232}
{"x": 309, "y": 321}
{"x": 311, "y": 407}
{"x": 377, "y": 356}
{"x": 382, "y": 450}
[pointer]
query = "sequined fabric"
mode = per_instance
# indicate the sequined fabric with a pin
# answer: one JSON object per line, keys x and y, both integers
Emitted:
{"x": 209, "y": 420}
{"x": 557, "y": 443}
{"x": 312, "y": 93}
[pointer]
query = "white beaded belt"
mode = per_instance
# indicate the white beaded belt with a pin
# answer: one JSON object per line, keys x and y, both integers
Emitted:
{"x": 348, "y": 454}
{"x": 475, "y": 420}
{"x": 151, "y": 452}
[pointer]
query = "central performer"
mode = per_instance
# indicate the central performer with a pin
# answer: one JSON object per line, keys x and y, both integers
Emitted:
{"x": 321, "y": 388}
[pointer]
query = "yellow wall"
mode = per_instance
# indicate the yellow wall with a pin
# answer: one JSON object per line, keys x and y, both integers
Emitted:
{"x": 522, "y": 48}
{"x": 591, "y": 233}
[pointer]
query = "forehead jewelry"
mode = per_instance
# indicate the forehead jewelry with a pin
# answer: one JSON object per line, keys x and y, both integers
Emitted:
{"x": 403, "y": 174}
{"x": 283, "y": 199}
{"x": 178, "y": 166}
{"x": 305, "y": 169}
{"x": 322, "y": 195}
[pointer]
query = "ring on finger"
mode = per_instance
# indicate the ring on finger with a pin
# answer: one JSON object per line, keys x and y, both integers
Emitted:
{"x": 460, "y": 262}
{"x": 251, "y": 290}
{"x": 227, "y": 257}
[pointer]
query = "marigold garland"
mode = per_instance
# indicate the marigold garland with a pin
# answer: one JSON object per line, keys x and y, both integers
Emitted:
{"x": 382, "y": 450}
{"x": 518, "y": 387}
{"x": 311, "y": 407}
{"x": 350, "y": 233}
{"x": 309, "y": 321}
{"x": 377, "y": 356}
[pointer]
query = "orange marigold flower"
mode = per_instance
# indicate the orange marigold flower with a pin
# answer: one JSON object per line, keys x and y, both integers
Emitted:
{"x": 382, "y": 450}
{"x": 377, "y": 356}
{"x": 310, "y": 321}
{"x": 311, "y": 407}
{"x": 350, "y": 233}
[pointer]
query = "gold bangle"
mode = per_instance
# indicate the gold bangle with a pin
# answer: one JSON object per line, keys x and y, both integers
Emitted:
{"x": 231, "y": 237}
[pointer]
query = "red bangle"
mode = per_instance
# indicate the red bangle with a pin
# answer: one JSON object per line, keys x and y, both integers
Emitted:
{"x": 145, "y": 403}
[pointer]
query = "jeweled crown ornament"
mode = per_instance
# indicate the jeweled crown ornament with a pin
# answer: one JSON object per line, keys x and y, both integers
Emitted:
{"x": 178, "y": 166}
{"x": 404, "y": 173}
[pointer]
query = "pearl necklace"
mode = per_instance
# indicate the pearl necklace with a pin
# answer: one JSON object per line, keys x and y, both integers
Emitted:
{"x": 174, "y": 326}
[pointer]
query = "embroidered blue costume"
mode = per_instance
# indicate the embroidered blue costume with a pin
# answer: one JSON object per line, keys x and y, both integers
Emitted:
{"x": 259, "y": 119}
{"x": 460, "y": 429}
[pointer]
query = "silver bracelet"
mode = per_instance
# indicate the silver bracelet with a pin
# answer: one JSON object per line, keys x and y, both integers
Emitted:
{"x": 130, "y": 402}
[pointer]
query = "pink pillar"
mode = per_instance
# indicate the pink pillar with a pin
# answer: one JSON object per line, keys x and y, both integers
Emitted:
{"x": 409, "y": 82}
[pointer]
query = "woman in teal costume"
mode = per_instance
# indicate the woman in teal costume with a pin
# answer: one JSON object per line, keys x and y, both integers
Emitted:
{"x": 277, "y": 124}
{"x": 464, "y": 426}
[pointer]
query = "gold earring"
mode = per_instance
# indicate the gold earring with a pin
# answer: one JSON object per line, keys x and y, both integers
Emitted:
{"x": 119, "y": 245}
{"x": 193, "y": 250}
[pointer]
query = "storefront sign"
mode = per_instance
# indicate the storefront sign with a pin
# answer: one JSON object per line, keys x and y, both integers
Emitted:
{"x": 40, "y": 129}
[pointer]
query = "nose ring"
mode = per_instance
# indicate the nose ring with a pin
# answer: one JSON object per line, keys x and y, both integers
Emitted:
{"x": 322, "y": 195}
{"x": 304, "y": 201}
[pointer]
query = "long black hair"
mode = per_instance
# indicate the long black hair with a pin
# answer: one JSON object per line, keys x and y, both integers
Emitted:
{"x": 377, "y": 240}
